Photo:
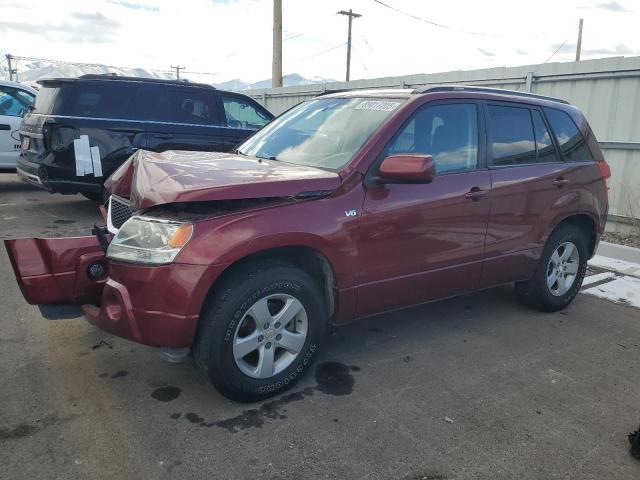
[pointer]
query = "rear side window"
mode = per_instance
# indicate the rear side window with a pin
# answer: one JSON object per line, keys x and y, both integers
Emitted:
{"x": 512, "y": 136}
{"x": 449, "y": 133}
{"x": 101, "y": 100}
{"x": 242, "y": 114}
{"x": 150, "y": 103}
{"x": 570, "y": 140}
{"x": 190, "y": 105}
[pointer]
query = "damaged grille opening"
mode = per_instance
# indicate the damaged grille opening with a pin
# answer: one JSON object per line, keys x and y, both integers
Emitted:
{"x": 119, "y": 211}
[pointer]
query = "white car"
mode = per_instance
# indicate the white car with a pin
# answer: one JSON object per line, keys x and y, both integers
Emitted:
{"x": 15, "y": 101}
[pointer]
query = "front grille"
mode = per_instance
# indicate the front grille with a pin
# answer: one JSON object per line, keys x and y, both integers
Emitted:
{"x": 119, "y": 211}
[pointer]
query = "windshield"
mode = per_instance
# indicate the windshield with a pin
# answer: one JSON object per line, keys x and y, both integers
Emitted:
{"x": 324, "y": 133}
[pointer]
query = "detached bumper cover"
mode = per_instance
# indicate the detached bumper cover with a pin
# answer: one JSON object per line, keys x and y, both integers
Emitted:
{"x": 157, "y": 306}
{"x": 154, "y": 305}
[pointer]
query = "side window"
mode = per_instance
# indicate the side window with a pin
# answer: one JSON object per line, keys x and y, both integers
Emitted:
{"x": 101, "y": 100}
{"x": 150, "y": 103}
{"x": 569, "y": 138}
{"x": 511, "y": 138}
{"x": 447, "y": 132}
{"x": 544, "y": 145}
{"x": 241, "y": 114}
{"x": 14, "y": 102}
{"x": 189, "y": 105}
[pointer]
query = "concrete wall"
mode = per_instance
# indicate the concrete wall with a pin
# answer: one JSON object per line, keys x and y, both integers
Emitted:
{"x": 606, "y": 90}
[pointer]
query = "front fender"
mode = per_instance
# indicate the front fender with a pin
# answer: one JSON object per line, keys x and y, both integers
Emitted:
{"x": 321, "y": 225}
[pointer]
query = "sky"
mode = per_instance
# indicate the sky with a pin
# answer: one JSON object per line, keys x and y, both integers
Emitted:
{"x": 233, "y": 38}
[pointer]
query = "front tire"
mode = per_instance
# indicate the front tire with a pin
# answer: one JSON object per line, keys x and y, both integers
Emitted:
{"x": 261, "y": 330}
{"x": 560, "y": 271}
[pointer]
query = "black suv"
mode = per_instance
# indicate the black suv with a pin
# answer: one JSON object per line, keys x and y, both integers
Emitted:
{"x": 82, "y": 129}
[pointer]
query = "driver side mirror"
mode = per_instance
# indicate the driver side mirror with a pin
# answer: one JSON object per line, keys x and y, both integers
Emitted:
{"x": 408, "y": 168}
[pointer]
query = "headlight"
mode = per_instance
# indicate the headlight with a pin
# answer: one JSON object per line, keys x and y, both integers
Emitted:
{"x": 149, "y": 240}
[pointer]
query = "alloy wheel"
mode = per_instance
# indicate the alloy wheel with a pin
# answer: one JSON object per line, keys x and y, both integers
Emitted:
{"x": 270, "y": 336}
{"x": 562, "y": 269}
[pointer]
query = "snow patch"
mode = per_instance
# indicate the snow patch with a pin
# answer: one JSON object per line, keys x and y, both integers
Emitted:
{"x": 624, "y": 290}
{"x": 620, "y": 266}
{"x": 598, "y": 277}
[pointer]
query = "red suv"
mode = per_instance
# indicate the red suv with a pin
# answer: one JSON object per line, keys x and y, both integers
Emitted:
{"x": 348, "y": 205}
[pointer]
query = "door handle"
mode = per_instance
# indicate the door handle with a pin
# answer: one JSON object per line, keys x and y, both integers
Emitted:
{"x": 5, "y": 127}
{"x": 560, "y": 182}
{"x": 163, "y": 135}
{"x": 476, "y": 193}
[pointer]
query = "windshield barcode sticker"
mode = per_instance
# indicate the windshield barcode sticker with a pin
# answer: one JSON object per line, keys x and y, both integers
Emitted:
{"x": 377, "y": 105}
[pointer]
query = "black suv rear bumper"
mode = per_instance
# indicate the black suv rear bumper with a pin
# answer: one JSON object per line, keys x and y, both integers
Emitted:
{"x": 36, "y": 174}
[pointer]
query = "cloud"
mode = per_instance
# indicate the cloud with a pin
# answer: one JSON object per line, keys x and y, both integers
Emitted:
{"x": 486, "y": 53}
{"x": 134, "y": 5}
{"x": 612, "y": 6}
{"x": 523, "y": 52}
{"x": 90, "y": 28}
{"x": 96, "y": 18}
{"x": 619, "y": 49}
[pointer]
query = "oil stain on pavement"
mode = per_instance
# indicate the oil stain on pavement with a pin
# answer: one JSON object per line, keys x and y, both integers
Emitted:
{"x": 333, "y": 378}
{"x": 166, "y": 394}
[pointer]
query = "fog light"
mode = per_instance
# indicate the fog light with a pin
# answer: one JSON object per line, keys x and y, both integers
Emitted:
{"x": 97, "y": 270}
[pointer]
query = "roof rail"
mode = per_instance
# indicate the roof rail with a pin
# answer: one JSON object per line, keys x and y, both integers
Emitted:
{"x": 497, "y": 91}
{"x": 124, "y": 78}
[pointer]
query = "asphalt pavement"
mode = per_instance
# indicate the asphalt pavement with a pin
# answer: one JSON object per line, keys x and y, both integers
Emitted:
{"x": 476, "y": 387}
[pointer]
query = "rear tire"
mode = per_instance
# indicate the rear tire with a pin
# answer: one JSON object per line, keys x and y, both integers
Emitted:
{"x": 278, "y": 354}
{"x": 560, "y": 271}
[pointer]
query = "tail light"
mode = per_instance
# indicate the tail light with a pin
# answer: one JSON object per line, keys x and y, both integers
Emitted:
{"x": 60, "y": 137}
{"x": 605, "y": 171}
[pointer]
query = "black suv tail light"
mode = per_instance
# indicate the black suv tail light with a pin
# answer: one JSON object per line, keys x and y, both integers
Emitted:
{"x": 59, "y": 138}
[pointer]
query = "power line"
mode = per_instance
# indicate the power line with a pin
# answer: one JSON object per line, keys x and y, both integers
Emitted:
{"x": 435, "y": 24}
{"x": 321, "y": 53}
{"x": 366, "y": 42}
{"x": 360, "y": 61}
{"x": 557, "y": 50}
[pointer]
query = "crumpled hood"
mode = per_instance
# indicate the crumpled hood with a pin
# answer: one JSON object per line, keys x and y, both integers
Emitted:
{"x": 151, "y": 178}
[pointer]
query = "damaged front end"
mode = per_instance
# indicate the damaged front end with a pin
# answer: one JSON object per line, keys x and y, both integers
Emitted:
{"x": 136, "y": 278}
{"x": 154, "y": 302}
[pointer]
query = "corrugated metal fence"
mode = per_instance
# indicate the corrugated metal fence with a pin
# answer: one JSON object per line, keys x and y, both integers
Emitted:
{"x": 606, "y": 90}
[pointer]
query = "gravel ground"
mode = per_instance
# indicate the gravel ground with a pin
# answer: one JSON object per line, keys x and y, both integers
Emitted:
{"x": 630, "y": 240}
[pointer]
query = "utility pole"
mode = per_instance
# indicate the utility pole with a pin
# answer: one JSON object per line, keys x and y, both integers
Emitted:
{"x": 177, "y": 69}
{"x": 276, "y": 67}
{"x": 351, "y": 16}
{"x": 579, "y": 44}
{"x": 11, "y": 69}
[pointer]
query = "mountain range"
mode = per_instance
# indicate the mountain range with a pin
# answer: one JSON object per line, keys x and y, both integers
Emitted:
{"x": 31, "y": 71}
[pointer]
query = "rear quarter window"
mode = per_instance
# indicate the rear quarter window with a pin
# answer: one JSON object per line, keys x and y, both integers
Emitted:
{"x": 570, "y": 140}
